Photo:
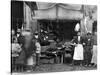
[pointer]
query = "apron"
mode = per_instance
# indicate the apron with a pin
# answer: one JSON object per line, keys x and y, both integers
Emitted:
{"x": 78, "y": 52}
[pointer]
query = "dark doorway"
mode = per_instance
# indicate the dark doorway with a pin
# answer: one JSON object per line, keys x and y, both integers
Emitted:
{"x": 67, "y": 29}
{"x": 64, "y": 29}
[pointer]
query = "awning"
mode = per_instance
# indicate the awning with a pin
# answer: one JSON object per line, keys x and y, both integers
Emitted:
{"x": 58, "y": 12}
{"x": 45, "y": 14}
{"x": 69, "y": 14}
{"x": 45, "y": 5}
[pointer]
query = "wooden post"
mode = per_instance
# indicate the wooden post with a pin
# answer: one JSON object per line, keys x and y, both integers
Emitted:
{"x": 82, "y": 27}
{"x": 62, "y": 59}
{"x": 24, "y": 11}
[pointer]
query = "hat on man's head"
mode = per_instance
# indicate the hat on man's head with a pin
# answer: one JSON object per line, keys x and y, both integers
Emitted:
{"x": 36, "y": 33}
{"x": 18, "y": 30}
{"x": 89, "y": 33}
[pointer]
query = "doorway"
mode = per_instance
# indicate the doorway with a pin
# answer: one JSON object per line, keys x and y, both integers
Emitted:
{"x": 67, "y": 29}
{"x": 63, "y": 29}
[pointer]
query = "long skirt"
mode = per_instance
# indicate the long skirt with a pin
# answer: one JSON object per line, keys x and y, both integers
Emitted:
{"x": 78, "y": 52}
{"x": 94, "y": 57}
{"x": 21, "y": 58}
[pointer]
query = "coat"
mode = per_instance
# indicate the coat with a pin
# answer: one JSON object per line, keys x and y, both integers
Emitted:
{"x": 88, "y": 43}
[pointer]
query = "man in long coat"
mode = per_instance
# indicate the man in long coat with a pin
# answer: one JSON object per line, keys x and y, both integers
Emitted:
{"x": 88, "y": 49}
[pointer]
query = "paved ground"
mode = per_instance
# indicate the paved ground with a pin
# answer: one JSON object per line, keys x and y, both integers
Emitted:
{"x": 56, "y": 68}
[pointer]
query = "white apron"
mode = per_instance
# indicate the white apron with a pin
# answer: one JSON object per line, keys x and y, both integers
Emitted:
{"x": 78, "y": 52}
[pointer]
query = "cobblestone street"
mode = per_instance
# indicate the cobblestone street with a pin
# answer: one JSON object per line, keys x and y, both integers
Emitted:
{"x": 56, "y": 68}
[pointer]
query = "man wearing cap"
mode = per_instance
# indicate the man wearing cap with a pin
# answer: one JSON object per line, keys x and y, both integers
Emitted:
{"x": 38, "y": 48}
{"x": 88, "y": 46}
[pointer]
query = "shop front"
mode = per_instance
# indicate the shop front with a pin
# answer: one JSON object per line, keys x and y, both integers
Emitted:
{"x": 59, "y": 19}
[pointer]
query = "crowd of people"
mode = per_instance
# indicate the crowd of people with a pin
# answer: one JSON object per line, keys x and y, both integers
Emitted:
{"x": 85, "y": 49}
{"x": 26, "y": 49}
{"x": 28, "y": 55}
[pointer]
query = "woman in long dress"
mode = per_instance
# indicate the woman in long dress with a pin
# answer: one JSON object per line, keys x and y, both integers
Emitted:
{"x": 78, "y": 50}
